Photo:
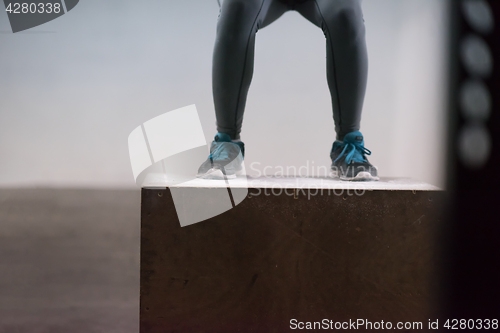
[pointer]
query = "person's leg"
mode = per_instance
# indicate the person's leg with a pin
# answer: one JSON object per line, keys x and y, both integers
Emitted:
{"x": 347, "y": 60}
{"x": 347, "y": 67}
{"x": 233, "y": 57}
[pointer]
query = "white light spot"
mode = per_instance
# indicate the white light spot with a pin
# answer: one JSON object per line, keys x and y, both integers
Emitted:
{"x": 475, "y": 100}
{"x": 476, "y": 56}
{"x": 474, "y": 145}
{"x": 478, "y": 15}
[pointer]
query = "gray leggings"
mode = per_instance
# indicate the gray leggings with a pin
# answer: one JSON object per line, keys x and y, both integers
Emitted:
{"x": 347, "y": 60}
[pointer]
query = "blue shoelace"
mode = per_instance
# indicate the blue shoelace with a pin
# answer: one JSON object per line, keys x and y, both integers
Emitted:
{"x": 357, "y": 153}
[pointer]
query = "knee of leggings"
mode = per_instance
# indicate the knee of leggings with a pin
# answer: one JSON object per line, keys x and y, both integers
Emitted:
{"x": 347, "y": 24}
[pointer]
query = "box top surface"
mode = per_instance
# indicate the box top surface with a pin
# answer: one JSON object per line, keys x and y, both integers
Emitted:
{"x": 294, "y": 182}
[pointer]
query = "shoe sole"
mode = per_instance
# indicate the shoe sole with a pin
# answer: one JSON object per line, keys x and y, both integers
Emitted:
{"x": 215, "y": 174}
{"x": 360, "y": 177}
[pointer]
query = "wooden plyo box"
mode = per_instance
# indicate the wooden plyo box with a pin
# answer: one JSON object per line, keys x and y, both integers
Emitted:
{"x": 275, "y": 258}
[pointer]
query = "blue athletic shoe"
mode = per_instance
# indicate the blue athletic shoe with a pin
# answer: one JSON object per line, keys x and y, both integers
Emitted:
{"x": 349, "y": 160}
{"x": 225, "y": 159}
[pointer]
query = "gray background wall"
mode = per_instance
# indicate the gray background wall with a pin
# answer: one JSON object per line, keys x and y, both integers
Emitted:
{"x": 73, "y": 89}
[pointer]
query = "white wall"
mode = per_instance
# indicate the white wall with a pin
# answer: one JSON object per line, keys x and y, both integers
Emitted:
{"x": 72, "y": 90}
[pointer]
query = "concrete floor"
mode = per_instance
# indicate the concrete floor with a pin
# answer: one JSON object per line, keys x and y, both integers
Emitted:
{"x": 69, "y": 261}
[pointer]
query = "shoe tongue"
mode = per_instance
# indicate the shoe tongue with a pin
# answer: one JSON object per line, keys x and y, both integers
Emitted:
{"x": 354, "y": 137}
{"x": 222, "y": 137}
